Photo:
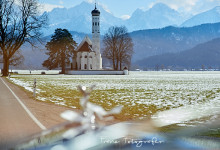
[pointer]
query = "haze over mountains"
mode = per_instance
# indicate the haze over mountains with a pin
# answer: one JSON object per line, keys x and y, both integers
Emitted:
{"x": 171, "y": 39}
{"x": 147, "y": 43}
{"x": 202, "y": 56}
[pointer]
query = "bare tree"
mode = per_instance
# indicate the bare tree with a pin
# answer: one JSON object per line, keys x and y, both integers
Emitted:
{"x": 118, "y": 47}
{"x": 20, "y": 22}
{"x": 157, "y": 67}
{"x": 16, "y": 59}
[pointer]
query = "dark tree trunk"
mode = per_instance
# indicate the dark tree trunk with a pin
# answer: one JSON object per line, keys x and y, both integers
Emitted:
{"x": 5, "y": 66}
{"x": 63, "y": 66}
{"x": 113, "y": 61}
{"x": 63, "y": 69}
{"x": 117, "y": 63}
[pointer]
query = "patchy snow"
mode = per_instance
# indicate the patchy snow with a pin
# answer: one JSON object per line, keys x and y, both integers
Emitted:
{"x": 36, "y": 71}
{"x": 163, "y": 90}
{"x": 26, "y": 85}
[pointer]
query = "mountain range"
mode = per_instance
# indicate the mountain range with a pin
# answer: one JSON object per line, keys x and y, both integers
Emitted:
{"x": 171, "y": 39}
{"x": 160, "y": 15}
{"x": 78, "y": 18}
{"x": 202, "y": 56}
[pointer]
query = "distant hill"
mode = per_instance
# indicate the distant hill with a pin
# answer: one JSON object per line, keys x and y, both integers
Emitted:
{"x": 210, "y": 16}
{"x": 205, "y": 55}
{"x": 171, "y": 39}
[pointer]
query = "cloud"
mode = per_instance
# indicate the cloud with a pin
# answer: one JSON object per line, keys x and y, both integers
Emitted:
{"x": 90, "y": 1}
{"x": 48, "y": 7}
{"x": 204, "y": 5}
{"x": 125, "y": 17}
{"x": 184, "y": 5}
{"x": 61, "y": 2}
{"x": 105, "y": 7}
{"x": 43, "y": 6}
{"x": 189, "y": 6}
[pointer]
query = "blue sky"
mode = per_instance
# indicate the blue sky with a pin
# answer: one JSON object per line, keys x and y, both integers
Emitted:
{"x": 123, "y": 8}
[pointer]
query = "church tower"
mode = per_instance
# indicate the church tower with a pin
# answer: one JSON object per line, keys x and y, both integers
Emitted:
{"x": 96, "y": 36}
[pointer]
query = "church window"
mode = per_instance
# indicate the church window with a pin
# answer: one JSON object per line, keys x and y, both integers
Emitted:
{"x": 95, "y": 23}
{"x": 98, "y": 23}
{"x": 85, "y": 67}
{"x": 85, "y": 56}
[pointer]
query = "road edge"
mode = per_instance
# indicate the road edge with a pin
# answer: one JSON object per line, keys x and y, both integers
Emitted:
{"x": 25, "y": 108}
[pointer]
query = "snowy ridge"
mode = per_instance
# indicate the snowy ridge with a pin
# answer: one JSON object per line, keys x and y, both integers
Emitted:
{"x": 78, "y": 18}
{"x": 211, "y": 16}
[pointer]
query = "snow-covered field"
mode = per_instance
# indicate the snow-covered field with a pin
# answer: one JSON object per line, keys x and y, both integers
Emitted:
{"x": 141, "y": 93}
{"x": 36, "y": 71}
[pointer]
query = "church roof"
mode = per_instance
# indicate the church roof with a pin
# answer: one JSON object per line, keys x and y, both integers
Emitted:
{"x": 85, "y": 45}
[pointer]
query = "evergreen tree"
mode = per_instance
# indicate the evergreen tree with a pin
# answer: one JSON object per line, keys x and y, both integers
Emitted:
{"x": 60, "y": 49}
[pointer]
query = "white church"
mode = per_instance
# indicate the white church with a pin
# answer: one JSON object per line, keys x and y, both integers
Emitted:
{"x": 87, "y": 59}
{"x": 87, "y": 55}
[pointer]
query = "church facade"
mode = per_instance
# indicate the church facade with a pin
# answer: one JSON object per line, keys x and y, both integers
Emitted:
{"x": 87, "y": 56}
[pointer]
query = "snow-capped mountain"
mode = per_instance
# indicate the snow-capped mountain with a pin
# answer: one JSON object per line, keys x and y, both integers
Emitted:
{"x": 211, "y": 16}
{"x": 159, "y": 16}
{"x": 78, "y": 18}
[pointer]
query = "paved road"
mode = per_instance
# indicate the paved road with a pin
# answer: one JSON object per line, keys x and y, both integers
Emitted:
{"x": 16, "y": 121}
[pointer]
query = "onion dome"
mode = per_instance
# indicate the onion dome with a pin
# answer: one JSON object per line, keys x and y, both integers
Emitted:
{"x": 95, "y": 12}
